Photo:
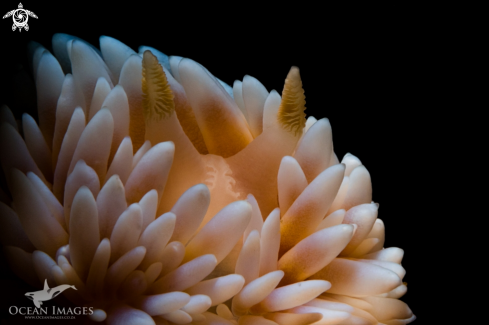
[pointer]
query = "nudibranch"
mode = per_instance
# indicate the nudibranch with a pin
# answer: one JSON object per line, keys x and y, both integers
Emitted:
{"x": 166, "y": 196}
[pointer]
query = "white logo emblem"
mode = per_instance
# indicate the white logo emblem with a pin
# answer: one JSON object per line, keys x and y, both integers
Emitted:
{"x": 47, "y": 294}
{"x": 20, "y": 17}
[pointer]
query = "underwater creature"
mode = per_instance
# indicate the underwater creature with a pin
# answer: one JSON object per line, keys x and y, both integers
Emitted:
{"x": 169, "y": 197}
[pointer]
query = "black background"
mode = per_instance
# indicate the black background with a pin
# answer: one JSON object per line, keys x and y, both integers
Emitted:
{"x": 370, "y": 73}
